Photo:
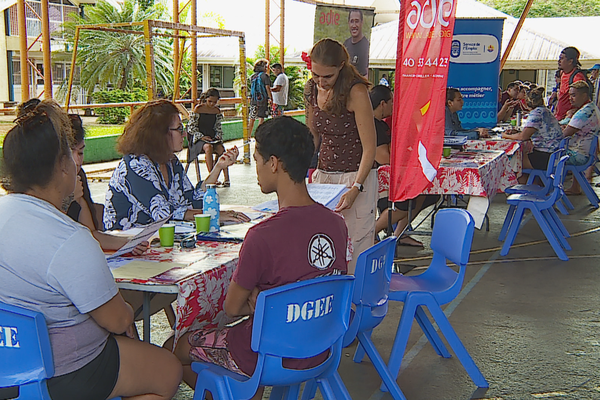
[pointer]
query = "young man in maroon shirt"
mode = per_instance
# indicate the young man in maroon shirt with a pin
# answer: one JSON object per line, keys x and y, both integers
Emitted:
{"x": 304, "y": 240}
{"x": 568, "y": 62}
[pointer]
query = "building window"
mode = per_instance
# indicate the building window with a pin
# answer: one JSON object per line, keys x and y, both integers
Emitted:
{"x": 58, "y": 73}
{"x": 222, "y": 76}
{"x": 16, "y": 72}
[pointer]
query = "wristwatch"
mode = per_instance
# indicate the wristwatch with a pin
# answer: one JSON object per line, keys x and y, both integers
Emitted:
{"x": 359, "y": 186}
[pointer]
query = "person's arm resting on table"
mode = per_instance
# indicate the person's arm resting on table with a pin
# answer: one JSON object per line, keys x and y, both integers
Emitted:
{"x": 525, "y": 134}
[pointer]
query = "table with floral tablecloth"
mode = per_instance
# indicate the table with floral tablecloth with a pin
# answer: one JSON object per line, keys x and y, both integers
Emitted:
{"x": 479, "y": 173}
{"x": 201, "y": 277}
{"x": 512, "y": 148}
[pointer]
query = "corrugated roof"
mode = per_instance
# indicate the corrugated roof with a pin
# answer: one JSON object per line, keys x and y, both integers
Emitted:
{"x": 533, "y": 49}
{"x": 221, "y": 50}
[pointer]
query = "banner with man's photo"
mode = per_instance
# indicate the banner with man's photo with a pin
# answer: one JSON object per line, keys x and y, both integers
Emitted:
{"x": 350, "y": 26}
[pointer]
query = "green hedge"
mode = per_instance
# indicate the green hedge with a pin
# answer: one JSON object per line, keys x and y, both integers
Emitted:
{"x": 103, "y": 148}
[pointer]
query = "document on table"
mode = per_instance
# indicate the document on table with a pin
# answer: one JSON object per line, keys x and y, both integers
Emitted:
{"x": 143, "y": 236}
{"x": 138, "y": 269}
{"x": 324, "y": 193}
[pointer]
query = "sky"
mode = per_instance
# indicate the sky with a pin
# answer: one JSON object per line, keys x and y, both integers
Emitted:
{"x": 249, "y": 16}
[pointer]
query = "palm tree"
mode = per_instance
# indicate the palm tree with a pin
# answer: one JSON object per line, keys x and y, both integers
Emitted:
{"x": 111, "y": 59}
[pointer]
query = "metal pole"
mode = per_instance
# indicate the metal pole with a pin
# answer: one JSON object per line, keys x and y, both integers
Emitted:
{"x": 72, "y": 72}
{"x": 267, "y": 28}
{"x": 244, "y": 96}
{"x": 282, "y": 33}
{"x": 23, "y": 50}
{"x": 513, "y": 38}
{"x": 194, "y": 56}
{"x": 46, "y": 50}
{"x": 176, "y": 54}
{"x": 149, "y": 60}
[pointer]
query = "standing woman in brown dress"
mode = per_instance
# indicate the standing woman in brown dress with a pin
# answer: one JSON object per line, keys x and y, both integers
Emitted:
{"x": 339, "y": 114}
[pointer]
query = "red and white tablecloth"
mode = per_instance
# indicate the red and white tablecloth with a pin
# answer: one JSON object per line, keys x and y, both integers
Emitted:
{"x": 202, "y": 282}
{"x": 476, "y": 173}
{"x": 512, "y": 148}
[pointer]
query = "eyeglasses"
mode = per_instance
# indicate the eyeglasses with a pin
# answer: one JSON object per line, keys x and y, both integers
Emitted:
{"x": 180, "y": 129}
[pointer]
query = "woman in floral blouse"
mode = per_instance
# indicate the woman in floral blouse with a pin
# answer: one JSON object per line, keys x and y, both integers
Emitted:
{"x": 149, "y": 183}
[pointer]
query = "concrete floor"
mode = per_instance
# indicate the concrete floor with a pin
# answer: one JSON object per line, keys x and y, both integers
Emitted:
{"x": 530, "y": 321}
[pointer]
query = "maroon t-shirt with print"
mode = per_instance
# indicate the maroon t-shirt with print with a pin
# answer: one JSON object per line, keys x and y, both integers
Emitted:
{"x": 295, "y": 244}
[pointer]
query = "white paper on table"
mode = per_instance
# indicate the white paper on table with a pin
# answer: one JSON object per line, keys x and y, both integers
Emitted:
{"x": 478, "y": 207}
{"x": 143, "y": 236}
{"x": 117, "y": 262}
{"x": 324, "y": 193}
{"x": 138, "y": 269}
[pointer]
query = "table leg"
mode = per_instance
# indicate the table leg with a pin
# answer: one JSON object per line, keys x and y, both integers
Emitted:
{"x": 146, "y": 311}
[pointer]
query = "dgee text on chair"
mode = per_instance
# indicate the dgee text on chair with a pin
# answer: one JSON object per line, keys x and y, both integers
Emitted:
{"x": 299, "y": 320}
{"x": 451, "y": 239}
{"x": 371, "y": 286}
{"x": 25, "y": 352}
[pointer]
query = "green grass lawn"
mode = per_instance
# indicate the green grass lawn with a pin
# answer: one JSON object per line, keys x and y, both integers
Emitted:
{"x": 91, "y": 130}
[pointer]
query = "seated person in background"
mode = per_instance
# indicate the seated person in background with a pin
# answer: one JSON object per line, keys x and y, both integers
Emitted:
{"x": 204, "y": 130}
{"x": 582, "y": 127}
{"x": 383, "y": 105}
{"x": 272, "y": 254}
{"x": 82, "y": 208}
{"x": 64, "y": 275}
{"x": 149, "y": 183}
{"x": 543, "y": 130}
{"x": 454, "y": 103}
{"x": 509, "y": 103}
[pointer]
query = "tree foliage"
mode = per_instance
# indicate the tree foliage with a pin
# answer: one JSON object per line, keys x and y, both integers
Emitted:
{"x": 111, "y": 59}
{"x": 547, "y": 8}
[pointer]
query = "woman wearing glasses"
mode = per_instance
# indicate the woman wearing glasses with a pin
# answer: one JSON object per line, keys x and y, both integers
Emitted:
{"x": 64, "y": 275}
{"x": 149, "y": 183}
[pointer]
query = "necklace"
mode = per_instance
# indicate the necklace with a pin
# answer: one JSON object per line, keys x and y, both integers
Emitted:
{"x": 328, "y": 95}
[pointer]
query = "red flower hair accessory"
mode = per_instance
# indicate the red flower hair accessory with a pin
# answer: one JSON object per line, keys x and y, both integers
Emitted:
{"x": 306, "y": 59}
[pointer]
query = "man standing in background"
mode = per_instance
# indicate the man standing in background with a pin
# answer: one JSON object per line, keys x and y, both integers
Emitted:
{"x": 568, "y": 62}
{"x": 357, "y": 44}
{"x": 280, "y": 90}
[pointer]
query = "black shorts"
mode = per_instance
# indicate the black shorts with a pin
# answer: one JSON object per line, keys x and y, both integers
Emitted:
{"x": 539, "y": 159}
{"x": 430, "y": 199}
{"x": 94, "y": 381}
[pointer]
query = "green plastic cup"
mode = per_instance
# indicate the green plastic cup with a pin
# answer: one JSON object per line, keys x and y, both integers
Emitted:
{"x": 513, "y": 122}
{"x": 202, "y": 222}
{"x": 446, "y": 152}
{"x": 167, "y": 235}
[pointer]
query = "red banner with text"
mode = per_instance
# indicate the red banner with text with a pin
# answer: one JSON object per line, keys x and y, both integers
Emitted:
{"x": 424, "y": 41}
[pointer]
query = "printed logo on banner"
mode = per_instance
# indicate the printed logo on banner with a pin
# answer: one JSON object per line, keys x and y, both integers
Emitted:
{"x": 474, "y": 49}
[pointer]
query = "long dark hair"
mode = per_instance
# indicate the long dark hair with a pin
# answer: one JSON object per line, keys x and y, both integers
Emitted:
{"x": 41, "y": 137}
{"x": 331, "y": 53}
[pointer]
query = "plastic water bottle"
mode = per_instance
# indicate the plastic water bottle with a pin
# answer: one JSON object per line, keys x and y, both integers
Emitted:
{"x": 211, "y": 206}
{"x": 519, "y": 118}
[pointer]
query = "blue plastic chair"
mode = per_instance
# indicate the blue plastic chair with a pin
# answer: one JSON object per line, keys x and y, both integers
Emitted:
{"x": 373, "y": 273}
{"x": 579, "y": 173}
{"x": 543, "y": 211}
{"x": 299, "y": 320}
{"x": 450, "y": 240}
{"x": 541, "y": 173}
{"x": 540, "y": 190}
{"x": 26, "y": 354}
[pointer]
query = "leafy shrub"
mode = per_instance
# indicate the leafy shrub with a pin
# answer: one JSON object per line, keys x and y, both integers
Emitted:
{"x": 116, "y": 115}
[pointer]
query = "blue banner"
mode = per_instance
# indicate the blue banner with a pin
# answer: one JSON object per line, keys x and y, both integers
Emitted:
{"x": 475, "y": 69}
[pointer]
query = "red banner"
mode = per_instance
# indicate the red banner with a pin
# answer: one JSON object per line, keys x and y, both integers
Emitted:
{"x": 424, "y": 41}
